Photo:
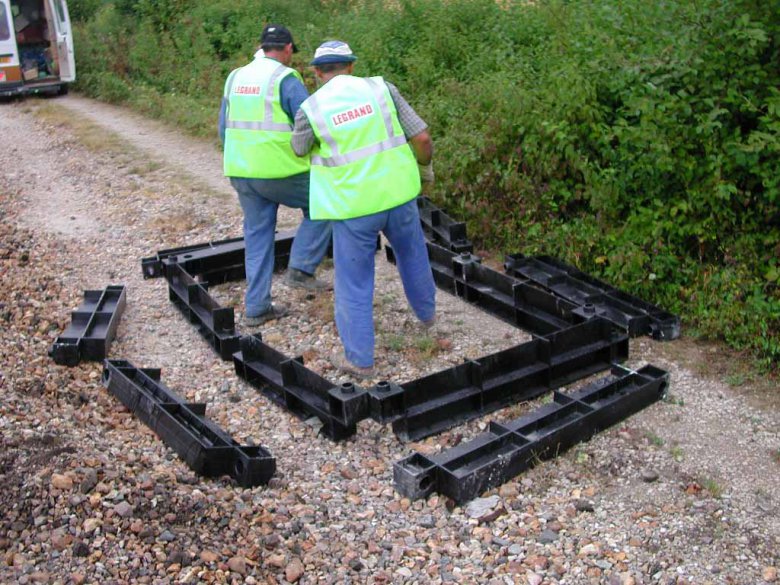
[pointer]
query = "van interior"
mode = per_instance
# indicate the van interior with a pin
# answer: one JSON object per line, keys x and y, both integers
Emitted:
{"x": 36, "y": 39}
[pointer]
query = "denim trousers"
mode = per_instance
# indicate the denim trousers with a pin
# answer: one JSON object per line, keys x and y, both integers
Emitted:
{"x": 260, "y": 199}
{"x": 354, "y": 249}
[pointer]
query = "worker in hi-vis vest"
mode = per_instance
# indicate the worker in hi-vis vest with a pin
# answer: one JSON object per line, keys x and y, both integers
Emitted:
{"x": 369, "y": 151}
{"x": 255, "y": 125}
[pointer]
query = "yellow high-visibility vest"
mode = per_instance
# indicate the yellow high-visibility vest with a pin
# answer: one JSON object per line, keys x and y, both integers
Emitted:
{"x": 363, "y": 163}
{"x": 257, "y": 129}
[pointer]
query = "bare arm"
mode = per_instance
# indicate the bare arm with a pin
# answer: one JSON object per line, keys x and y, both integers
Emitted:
{"x": 422, "y": 145}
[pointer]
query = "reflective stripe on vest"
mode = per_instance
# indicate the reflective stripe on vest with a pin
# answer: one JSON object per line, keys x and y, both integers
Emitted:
{"x": 270, "y": 126}
{"x": 363, "y": 163}
{"x": 257, "y": 130}
{"x": 357, "y": 155}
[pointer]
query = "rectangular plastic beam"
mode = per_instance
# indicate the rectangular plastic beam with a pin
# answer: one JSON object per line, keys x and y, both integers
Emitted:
{"x": 152, "y": 266}
{"x": 492, "y": 458}
{"x": 215, "y": 323}
{"x": 441, "y": 228}
{"x": 92, "y": 328}
{"x": 595, "y": 297}
{"x": 201, "y": 444}
{"x": 290, "y": 384}
{"x": 212, "y": 260}
{"x": 503, "y": 296}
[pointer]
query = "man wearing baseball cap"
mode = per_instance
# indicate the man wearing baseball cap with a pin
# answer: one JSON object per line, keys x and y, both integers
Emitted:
{"x": 255, "y": 124}
{"x": 369, "y": 151}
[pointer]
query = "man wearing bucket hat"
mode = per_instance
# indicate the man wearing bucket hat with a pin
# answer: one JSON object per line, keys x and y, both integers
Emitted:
{"x": 255, "y": 124}
{"x": 369, "y": 150}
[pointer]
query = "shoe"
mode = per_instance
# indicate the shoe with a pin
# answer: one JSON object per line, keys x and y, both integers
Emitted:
{"x": 433, "y": 328}
{"x": 341, "y": 363}
{"x": 299, "y": 279}
{"x": 429, "y": 327}
{"x": 275, "y": 312}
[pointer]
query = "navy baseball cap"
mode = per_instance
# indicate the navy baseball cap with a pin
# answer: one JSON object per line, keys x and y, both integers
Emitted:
{"x": 333, "y": 52}
{"x": 278, "y": 35}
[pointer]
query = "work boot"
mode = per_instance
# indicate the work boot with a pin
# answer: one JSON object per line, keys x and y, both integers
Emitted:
{"x": 433, "y": 328}
{"x": 275, "y": 312}
{"x": 341, "y": 363}
{"x": 299, "y": 279}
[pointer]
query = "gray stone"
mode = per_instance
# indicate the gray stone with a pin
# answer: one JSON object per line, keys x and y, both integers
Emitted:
{"x": 649, "y": 476}
{"x": 272, "y": 541}
{"x": 427, "y": 521}
{"x": 547, "y": 536}
{"x": 481, "y": 506}
{"x": 167, "y": 536}
{"x": 179, "y": 557}
{"x": 123, "y": 509}
{"x": 89, "y": 481}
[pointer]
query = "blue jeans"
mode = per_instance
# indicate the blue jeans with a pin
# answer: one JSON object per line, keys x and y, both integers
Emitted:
{"x": 354, "y": 248}
{"x": 260, "y": 199}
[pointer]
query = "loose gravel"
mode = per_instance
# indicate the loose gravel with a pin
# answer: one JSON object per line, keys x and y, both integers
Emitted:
{"x": 683, "y": 492}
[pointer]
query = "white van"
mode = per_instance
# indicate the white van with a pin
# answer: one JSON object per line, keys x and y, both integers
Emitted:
{"x": 36, "y": 47}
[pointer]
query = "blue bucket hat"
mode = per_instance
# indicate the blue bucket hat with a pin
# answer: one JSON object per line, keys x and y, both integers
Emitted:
{"x": 333, "y": 52}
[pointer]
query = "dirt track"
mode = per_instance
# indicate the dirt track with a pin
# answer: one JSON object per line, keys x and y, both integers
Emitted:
{"x": 684, "y": 492}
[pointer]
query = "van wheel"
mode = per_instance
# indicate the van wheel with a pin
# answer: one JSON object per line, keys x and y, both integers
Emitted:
{"x": 63, "y": 90}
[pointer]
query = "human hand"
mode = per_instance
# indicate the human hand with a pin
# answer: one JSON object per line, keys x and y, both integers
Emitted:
{"x": 426, "y": 173}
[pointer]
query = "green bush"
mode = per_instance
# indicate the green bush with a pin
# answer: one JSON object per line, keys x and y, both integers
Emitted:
{"x": 640, "y": 140}
{"x": 83, "y": 10}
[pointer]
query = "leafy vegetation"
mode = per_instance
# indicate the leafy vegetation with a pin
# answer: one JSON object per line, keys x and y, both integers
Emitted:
{"x": 639, "y": 140}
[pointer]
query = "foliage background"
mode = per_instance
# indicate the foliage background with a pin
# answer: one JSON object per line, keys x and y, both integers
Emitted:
{"x": 639, "y": 140}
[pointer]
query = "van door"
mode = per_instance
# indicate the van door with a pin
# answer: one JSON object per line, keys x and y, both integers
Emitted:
{"x": 65, "y": 53}
{"x": 9, "y": 57}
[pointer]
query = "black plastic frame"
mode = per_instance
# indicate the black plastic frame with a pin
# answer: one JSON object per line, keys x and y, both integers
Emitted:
{"x": 494, "y": 457}
{"x": 214, "y": 262}
{"x": 501, "y": 295}
{"x": 594, "y": 296}
{"x": 92, "y": 328}
{"x": 152, "y": 266}
{"x": 574, "y": 341}
{"x": 437, "y": 402}
{"x": 290, "y": 384}
{"x": 203, "y": 446}
{"x": 215, "y": 323}
{"x": 191, "y": 269}
{"x": 441, "y": 228}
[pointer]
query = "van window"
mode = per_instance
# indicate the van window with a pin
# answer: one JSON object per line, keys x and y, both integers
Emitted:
{"x": 60, "y": 11}
{"x": 5, "y": 30}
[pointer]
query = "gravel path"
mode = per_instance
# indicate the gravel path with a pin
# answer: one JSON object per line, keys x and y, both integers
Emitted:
{"x": 683, "y": 492}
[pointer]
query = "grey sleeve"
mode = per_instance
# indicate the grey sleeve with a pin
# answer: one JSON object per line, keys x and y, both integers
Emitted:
{"x": 303, "y": 134}
{"x": 411, "y": 123}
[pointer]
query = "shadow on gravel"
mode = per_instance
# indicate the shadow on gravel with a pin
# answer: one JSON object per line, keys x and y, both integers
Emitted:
{"x": 20, "y": 460}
